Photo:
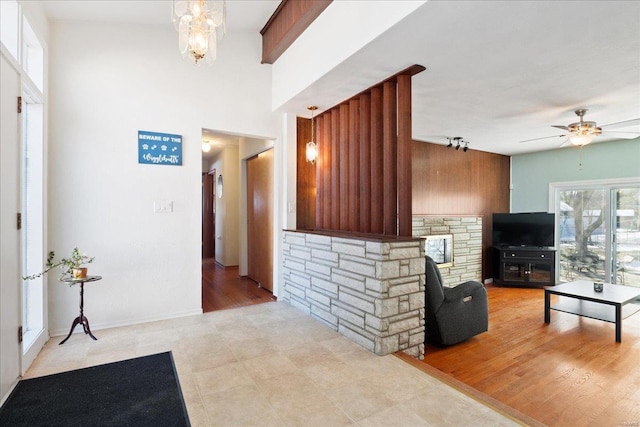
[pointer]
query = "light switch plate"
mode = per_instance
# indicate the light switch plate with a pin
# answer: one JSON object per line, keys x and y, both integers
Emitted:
{"x": 163, "y": 206}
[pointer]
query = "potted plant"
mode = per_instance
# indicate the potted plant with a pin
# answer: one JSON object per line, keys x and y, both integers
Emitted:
{"x": 72, "y": 267}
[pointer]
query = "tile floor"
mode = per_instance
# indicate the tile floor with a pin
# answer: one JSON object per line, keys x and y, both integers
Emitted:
{"x": 270, "y": 364}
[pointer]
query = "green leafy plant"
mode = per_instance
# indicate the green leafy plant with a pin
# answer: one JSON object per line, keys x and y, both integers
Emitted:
{"x": 66, "y": 265}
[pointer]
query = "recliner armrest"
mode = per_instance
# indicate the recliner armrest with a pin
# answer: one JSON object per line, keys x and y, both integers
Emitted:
{"x": 462, "y": 290}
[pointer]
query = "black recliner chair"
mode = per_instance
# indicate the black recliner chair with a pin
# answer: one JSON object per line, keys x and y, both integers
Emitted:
{"x": 453, "y": 315}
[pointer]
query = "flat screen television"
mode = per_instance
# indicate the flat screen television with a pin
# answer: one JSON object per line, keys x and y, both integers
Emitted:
{"x": 524, "y": 229}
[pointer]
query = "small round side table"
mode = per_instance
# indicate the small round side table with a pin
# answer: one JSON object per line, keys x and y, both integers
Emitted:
{"x": 81, "y": 319}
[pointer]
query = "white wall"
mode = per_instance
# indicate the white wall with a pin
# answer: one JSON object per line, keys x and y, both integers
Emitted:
{"x": 227, "y": 233}
{"x": 340, "y": 31}
{"x": 107, "y": 82}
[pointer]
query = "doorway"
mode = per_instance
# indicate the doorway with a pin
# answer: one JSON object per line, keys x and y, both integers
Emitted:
{"x": 226, "y": 282}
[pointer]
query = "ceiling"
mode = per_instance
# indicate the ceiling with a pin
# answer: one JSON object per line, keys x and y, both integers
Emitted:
{"x": 241, "y": 15}
{"x": 497, "y": 72}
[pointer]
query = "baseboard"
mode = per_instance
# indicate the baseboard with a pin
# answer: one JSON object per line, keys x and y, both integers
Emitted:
{"x": 108, "y": 325}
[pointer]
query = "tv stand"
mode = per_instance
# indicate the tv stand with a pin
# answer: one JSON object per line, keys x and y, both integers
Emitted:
{"x": 524, "y": 266}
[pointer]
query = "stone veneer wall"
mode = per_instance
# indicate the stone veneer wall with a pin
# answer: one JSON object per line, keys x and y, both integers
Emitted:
{"x": 467, "y": 245}
{"x": 369, "y": 290}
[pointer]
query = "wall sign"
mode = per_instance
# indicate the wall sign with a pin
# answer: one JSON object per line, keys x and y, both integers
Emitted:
{"x": 159, "y": 148}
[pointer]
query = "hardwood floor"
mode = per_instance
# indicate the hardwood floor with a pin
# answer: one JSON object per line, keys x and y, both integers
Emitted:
{"x": 570, "y": 372}
{"x": 223, "y": 288}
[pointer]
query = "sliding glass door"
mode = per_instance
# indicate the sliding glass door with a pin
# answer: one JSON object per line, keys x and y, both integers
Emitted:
{"x": 598, "y": 231}
{"x": 625, "y": 252}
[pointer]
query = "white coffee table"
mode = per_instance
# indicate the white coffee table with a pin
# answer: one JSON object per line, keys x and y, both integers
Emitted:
{"x": 610, "y": 305}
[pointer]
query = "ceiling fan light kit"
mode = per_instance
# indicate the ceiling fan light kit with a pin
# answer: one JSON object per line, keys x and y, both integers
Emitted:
{"x": 582, "y": 133}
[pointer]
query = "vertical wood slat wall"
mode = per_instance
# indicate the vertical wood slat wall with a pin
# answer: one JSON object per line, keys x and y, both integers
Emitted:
{"x": 306, "y": 207}
{"x": 363, "y": 173}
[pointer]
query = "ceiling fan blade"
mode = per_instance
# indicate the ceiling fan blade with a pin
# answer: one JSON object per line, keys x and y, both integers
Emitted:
{"x": 544, "y": 137}
{"x": 560, "y": 127}
{"x": 624, "y": 124}
{"x": 621, "y": 135}
{"x": 565, "y": 142}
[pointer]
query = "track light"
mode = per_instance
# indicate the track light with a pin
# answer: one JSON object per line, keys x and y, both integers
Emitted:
{"x": 460, "y": 143}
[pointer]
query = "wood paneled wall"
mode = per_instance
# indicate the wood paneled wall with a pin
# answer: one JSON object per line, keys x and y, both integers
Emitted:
{"x": 305, "y": 179}
{"x": 447, "y": 182}
{"x": 286, "y": 24}
{"x": 363, "y": 172}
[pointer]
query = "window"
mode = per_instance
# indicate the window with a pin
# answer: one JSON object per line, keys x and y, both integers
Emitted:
{"x": 598, "y": 225}
{"x": 32, "y": 55}
{"x": 9, "y": 26}
{"x": 32, "y": 217}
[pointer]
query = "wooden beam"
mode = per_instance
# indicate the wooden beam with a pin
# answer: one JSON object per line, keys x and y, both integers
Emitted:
{"x": 345, "y": 203}
{"x": 319, "y": 193}
{"x": 354, "y": 165}
{"x": 290, "y": 19}
{"x": 335, "y": 169}
{"x": 389, "y": 160}
{"x": 377, "y": 167}
{"x": 404, "y": 155}
{"x": 327, "y": 201}
{"x": 365, "y": 163}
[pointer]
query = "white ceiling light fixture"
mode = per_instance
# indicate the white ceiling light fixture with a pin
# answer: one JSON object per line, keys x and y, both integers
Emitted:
{"x": 206, "y": 146}
{"x": 199, "y": 24}
{"x": 581, "y": 133}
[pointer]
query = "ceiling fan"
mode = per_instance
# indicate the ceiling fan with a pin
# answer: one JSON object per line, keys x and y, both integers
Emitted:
{"x": 581, "y": 133}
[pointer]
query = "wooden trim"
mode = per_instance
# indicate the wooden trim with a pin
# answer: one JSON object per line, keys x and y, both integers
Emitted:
{"x": 354, "y": 165}
{"x": 377, "y": 192}
{"x": 326, "y": 177}
{"x": 288, "y": 22}
{"x": 335, "y": 169}
{"x": 404, "y": 155}
{"x": 365, "y": 163}
{"x": 389, "y": 160}
{"x": 344, "y": 167}
{"x": 319, "y": 193}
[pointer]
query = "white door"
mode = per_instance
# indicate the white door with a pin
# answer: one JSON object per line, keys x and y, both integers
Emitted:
{"x": 10, "y": 279}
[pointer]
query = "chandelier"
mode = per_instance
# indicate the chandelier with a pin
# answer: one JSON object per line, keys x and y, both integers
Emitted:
{"x": 199, "y": 24}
